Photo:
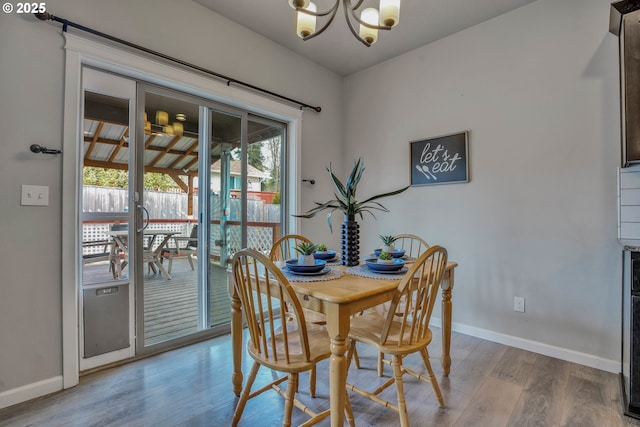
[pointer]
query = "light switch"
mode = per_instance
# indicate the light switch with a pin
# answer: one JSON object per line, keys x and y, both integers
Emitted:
{"x": 35, "y": 195}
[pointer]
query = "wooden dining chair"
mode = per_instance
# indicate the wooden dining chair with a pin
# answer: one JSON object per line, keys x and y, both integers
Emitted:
{"x": 277, "y": 341}
{"x": 401, "y": 335}
{"x": 283, "y": 249}
{"x": 413, "y": 246}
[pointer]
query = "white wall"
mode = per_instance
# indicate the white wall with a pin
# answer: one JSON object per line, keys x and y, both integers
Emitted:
{"x": 538, "y": 90}
{"x": 31, "y": 111}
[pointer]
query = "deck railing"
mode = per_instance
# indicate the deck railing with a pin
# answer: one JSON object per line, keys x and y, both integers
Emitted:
{"x": 260, "y": 235}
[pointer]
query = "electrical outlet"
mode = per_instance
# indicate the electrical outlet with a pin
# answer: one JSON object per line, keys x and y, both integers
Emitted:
{"x": 518, "y": 304}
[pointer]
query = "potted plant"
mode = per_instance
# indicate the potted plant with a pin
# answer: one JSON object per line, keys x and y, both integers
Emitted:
{"x": 385, "y": 258}
{"x": 321, "y": 248}
{"x": 346, "y": 202}
{"x": 387, "y": 243}
{"x": 306, "y": 249}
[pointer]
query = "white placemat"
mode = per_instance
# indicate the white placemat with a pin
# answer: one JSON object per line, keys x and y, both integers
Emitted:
{"x": 362, "y": 270}
{"x": 332, "y": 274}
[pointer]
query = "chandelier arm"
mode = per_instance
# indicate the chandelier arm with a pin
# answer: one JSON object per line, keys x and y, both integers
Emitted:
{"x": 356, "y": 6}
{"x": 350, "y": 25}
{"x": 330, "y": 11}
{"x": 361, "y": 22}
{"x": 334, "y": 9}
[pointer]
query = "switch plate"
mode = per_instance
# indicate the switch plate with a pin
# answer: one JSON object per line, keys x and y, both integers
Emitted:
{"x": 518, "y": 304}
{"x": 35, "y": 195}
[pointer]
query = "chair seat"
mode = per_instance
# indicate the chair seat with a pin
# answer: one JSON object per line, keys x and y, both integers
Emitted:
{"x": 368, "y": 329}
{"x": 319, "y": 347}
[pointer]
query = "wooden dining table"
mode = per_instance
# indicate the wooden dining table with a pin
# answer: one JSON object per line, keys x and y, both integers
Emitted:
{"x": 338, "y": 300}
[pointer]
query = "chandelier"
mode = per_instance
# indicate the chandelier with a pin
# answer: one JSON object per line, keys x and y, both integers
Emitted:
{"x": 370, "y": 20}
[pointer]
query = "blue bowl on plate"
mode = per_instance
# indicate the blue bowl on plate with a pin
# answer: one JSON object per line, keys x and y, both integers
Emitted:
{"x": 398, "y": 253}
{"x": 373, "y": 264}
{"x": 324, "y": 255}
{"x": 293, "y": 266}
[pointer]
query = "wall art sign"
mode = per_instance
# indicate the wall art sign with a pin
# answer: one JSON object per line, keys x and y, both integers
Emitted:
{"x": 440, "y": 160}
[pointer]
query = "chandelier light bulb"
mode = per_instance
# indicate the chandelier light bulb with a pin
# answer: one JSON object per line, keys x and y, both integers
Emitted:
{"x": 306, "y": 23}
{"x": 369, "y": 16}
{"x": 299, "y": 3}
{"x": 389, "y": 12}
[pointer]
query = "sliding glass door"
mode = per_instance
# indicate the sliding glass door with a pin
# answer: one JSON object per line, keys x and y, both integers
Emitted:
{"x": 173, "y": 186}
{"x": 168, "y": 238}
{"x": 245, "y": 195}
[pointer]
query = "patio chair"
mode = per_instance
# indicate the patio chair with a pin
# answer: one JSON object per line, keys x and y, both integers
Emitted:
{"x": 117, "y": 252}
{"x": 184, "y": 246}
{"x": 285, "y": 346}
{"x": 96, "y": 256}
{"x": 405, "y": 328}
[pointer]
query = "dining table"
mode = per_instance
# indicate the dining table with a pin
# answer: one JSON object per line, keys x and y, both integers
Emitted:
{"x": 151, "y": 254}
{"x": 338, "y": 300}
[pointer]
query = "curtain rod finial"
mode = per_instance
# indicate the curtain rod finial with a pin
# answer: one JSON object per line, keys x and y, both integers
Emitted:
{"x": 45, "y": 16}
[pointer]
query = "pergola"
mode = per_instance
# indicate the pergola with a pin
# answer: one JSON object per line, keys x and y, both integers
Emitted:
{"x": 106, "y": 140}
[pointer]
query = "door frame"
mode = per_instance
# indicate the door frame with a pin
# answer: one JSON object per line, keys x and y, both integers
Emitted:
{"x": 116, "y": 86}
{"x": 80, "y": 51}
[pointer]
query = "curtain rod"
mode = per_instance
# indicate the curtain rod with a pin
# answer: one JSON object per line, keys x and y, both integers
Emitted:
{"x": 66, "y": 23}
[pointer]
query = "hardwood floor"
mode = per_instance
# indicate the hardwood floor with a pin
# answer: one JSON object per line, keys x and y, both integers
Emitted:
{"x": 490, "y": 385}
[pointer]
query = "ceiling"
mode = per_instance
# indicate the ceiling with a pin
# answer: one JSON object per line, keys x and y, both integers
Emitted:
{"x": 421, "y": 22}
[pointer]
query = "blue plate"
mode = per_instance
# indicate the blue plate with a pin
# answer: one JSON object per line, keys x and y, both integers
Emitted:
{"x": 373, "y": 264}
{"x": 324, "y": 255}
{"x": 292, "y": 265}
{"x": 398, "y": 253}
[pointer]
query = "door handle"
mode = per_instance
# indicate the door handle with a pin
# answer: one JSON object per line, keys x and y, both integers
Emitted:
{"x": 145, "y": 223}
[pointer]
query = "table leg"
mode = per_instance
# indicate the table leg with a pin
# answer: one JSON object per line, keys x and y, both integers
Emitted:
{"x": 236, "y": 338}
{"x": 162, "y": 269}
{"x": 338, "y": 329}
{"x": 446, "y": 323}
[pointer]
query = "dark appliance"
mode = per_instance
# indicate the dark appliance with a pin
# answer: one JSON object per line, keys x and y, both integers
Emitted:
{"x": 624, "y": 22}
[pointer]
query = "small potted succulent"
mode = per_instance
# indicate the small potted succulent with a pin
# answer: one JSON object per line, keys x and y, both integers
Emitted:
{"x": 321, "y": 248}
{"x": 306, "y": 249}
{"x": 385, "y": 258}
{"x": 387, "y": 243}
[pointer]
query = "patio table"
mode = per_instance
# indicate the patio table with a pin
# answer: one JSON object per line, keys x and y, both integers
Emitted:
{"x": 150, "y": 255}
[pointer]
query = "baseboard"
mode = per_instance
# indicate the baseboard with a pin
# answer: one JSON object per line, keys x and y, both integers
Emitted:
{"x": 585, "y": 359}
{"x": 30, "y": 391}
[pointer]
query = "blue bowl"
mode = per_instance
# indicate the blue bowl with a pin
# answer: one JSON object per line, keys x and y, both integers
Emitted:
{"x": 398, "y": 253}
{"x": 293, "y": 266}
{"x": 325, "y": 255}
{"x": 373, "y": 264}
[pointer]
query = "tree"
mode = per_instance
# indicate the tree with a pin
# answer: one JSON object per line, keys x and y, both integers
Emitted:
{"x": 118, "y": 178}
{"x": 255, "y": 157}
{"x": 273, "y": 148}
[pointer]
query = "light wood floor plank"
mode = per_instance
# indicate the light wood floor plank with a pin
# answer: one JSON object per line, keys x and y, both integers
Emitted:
{"x": 492, "y": 404}
{"x": 490, "y": 385}
{"x": 541, "y": 402}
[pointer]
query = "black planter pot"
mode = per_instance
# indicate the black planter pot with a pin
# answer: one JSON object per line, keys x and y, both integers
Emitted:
{"x": 350, "y": 241}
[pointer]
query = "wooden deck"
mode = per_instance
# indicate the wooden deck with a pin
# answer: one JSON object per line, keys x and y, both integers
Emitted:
{"x": 171, "y": 306}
